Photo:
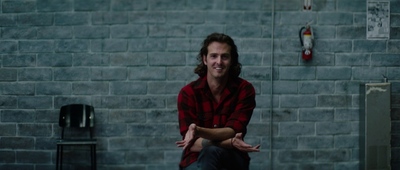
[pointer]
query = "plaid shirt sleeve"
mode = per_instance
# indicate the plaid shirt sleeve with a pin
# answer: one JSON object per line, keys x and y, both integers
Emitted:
{"x": 241, "y": 115}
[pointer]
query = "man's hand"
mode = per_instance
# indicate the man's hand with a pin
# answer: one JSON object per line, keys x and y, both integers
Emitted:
{"x": 238, "y": 143}
{"x": 189, "y": 137}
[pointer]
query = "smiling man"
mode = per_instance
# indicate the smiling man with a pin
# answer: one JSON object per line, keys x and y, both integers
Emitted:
{"x": 215, "y": 109}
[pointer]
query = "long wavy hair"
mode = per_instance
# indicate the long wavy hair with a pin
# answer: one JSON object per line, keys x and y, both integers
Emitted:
{"x": 236, "y": 67}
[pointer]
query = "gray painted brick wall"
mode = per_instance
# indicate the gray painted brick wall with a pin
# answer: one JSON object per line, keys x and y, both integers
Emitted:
{"x": 129, "y": 59}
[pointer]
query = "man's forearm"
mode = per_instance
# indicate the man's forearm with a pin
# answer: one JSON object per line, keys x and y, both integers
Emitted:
{"x": 200, "y": 143}
{"x": 215, "y": 134}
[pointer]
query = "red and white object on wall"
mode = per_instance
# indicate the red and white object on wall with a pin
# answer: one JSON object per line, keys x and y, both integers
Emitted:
{"x": 307, "y": 5}
{"x": 306, "y": 41}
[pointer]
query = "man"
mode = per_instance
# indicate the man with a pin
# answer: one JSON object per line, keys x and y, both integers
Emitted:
{"x": 215, "y": 109}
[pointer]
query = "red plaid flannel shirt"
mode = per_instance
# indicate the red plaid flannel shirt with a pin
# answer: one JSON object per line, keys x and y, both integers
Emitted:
{"x": 197, "y": 105}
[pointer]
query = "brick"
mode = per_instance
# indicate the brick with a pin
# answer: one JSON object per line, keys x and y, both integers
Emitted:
{"x": 316, "y": 142}
{"x": 62, "y": 100}
{"x": 366, "y": 73}
{"x": 162, "y": 116}
{"x": 19, "y": 60}
{"x": 391, "y": 60}
{"x": 92, "y": 5}
{"x": 283, "y": 5}
{"x": 166, "y": 58}
{"x": 393, "y": 73}
{"x": 87, "y": 59}
{"x": 75, "y": 74}
{"x": 127, "y": 144}
{"x": 164, "y": 87}
{"x": 8, "y": 129}
{"x": 128, "y": 88}
{"x": 109, "y": 74}
{"x": 110, "y": 130}
{"x": 35, "y": 102}
{"x": 110, "y": 158}
{"x": 354, "y": 6}
{"x": 109, "y": 45}
{"x": 256, "y": 73}
{"x": 129, "y": 5}
{"x": 129, "y": 59}
{"x": 8, "y": 74}
{"x": 250, "y": 31}
{"x": 8, "y": 20}
{"x": 333, "y": 128}
{"x": 18, "y": 33}
{"x": 56, "y": 60}
{"x": 294, "y": 129}
{"x": 17, "y": 116}
{"x": 146, "y": 102}
{"x": 296, "y": 18}
{"x": 369, "y": 46}
{"x": 106, "y": 18}
{"x": 223, "y": 17}
{"x": 350, "y": 59}
{"x": 334, "y": 73}
{"x": 8, "y": 102}
{"x": 351, "y": 32}
{"x": 347, "y": 141}
{"x": 202, "y": 30}
{"x": 35, "y": 74}
{"x": 90, "y": 88}
{"x": 312, "y": 87}
{"x": 333, "y": 155}
{"x": 92, "y": 32}
{"x": 19, "y": 89}
{"x": 162, "y": 142}
{"x": 72, "y": 46}
{"x": 127, "y": 116}
{"x": 345, "y": 87}
{"x": 39, "y": 157}
{"x": 53, "y": 88}
{"x": 393, "y": 46}
{"x": 148, "y": 157}
{"x": 36, "y": 46}
{"x": 56, "y": 32}
{"x": 17, "y": 143}
{"x": 244, "y": 5}
{"x": 35, "y": 19}
{"x": 335, "y": 18}
{"x": 394, "y": 33}
{"x": 68, "y": 19}
{"x": 6, "y": 157}
{"x": 166, "y": 5}
{"x": 333, "y": 45}
{"x": 114, "y": 102}
{"x": 295, "y": 73}
{"x": 8, "y": 46}
{"x": 167, "y": 31}
{"x": 35, "y": 130}
{"x": 178, "y": 44}
{"x": 284, "y": 87}
{"x": 47, "y": 116}
{"x": 334, "y": 101}
{"x": 316, "y": 115}
{"x": 146, "y": 73}
{"x": 18, "y": 6}
{"x": 254, "y": 45}
{"x": 54, "y": 5}
{"x": 147, "y": 17}
{"x": 296, "y": 156}
{"x": 147, "y": 44}
{"x": 128, "y": 31}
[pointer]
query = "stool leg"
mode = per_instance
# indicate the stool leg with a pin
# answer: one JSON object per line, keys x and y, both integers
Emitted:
{"x": 57, "y": 156}
{"x": 61, "y": 157}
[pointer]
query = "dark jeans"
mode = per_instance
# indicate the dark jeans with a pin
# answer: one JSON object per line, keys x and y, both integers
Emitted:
{"x": 217, "y": 158}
